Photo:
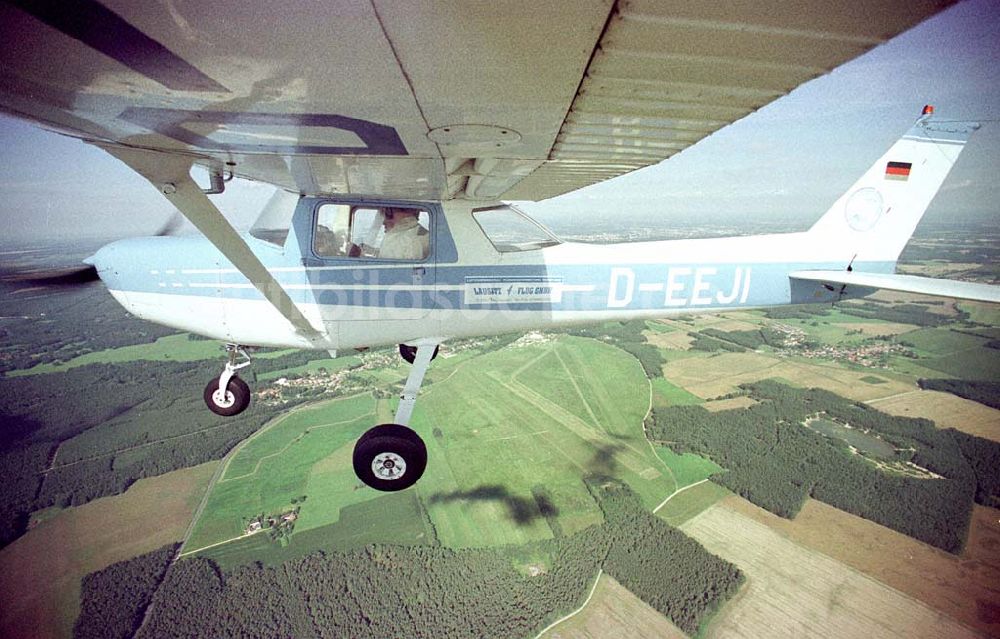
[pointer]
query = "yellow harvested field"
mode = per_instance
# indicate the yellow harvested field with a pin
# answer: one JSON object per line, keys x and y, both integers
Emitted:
{"x": 964, "y": 588}
{"x": 793, "y": 591}
{"x": 877, "y": 329}
{"x": 729, "y": 404}
{"x": 40, "y": 573}
{"x": 709, "y": 377}
{"x": 674, "y": 340}
{"x": 614, "y": 611}
{"x": 946, "y": 410}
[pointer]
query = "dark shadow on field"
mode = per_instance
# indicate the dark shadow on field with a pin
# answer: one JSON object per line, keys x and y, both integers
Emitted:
{"x": 520, "y": 510}
{"x": 603, "y": 462}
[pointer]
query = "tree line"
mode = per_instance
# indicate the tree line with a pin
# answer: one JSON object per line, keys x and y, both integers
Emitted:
{"x": 776, "y": 462}
{"x": 428, "y": 591}
{"x": 628, "y": 337}
{"x": 984, "y": 391}
{"x": 114, "y": 599}
{"x": 112, "y": 424}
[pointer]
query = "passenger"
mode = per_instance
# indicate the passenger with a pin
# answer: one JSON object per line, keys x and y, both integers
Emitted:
{"x": 327, "y": 243}
{"x": 405, "y": 238}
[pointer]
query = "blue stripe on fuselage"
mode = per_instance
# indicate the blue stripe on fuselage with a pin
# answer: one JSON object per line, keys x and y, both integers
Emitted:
{"x": 615, "y": 287}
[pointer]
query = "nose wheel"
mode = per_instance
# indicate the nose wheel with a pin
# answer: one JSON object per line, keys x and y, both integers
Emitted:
{"x": 232, "y": 401}
{"x": 390, "y": 457}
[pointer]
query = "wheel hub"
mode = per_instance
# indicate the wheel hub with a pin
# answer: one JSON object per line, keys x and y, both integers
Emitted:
{"x": 223, "y": 400}
{"x": 388, "y": 466}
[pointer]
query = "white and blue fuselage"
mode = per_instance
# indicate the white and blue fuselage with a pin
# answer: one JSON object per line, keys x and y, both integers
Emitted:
{"x": 465, "y": 287}
{"x": 471, "y": 284}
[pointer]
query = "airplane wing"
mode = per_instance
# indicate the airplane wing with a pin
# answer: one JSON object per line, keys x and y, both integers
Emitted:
{"x": 903, "y": 283}
{"x": 430, "y": 99}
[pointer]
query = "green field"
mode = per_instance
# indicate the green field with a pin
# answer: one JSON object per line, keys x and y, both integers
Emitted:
{"x": 659, "y": 327}
{"x": 668, "y": 394}
{"x": 175, "y": 348}
{"x": 689, "y": 503}
{"x": 305, "y": 452}
{"x": 359, "y": 524}
{"x": 982, "y": 312}
{"x": 937, "y": 342}
{"x": 512, "y": 420}
{"x": 956, "y": 354}
{"x": 823, "y": 328}
{"x": 687, "y": 468}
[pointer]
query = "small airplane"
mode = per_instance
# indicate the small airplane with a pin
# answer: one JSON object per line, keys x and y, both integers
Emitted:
{"x": 389, "y": 224}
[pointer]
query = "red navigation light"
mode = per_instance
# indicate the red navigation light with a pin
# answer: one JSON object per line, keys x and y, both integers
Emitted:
{"x": 928, "y": 109}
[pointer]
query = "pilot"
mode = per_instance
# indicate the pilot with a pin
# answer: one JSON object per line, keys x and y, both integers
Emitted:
{"x": 405, "y": 238}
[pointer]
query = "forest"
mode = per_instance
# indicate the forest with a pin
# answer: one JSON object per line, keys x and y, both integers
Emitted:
{"x": 751, "y": 339}
{"x": 917, "y": 314}
{"x": 126, "y": 421}
{"x": 113, "y": 600}
{"x": 776, "y": 462}
{"x": 37, "y": 330}
{"x": 429, "y": 591}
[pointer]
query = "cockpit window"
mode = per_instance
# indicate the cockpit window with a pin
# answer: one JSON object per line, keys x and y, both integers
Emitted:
{"x": 511, "y": 231}
{"x": 275, "y": 218}
{"x": 380, "y": 232}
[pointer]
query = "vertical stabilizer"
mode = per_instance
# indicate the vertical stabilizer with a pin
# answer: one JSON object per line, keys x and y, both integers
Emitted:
{"x": 875, "y": 218}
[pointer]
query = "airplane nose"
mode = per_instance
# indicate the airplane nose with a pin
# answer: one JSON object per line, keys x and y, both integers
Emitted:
{"x": 102, "y": 260}
{"x": 109, "y": 261}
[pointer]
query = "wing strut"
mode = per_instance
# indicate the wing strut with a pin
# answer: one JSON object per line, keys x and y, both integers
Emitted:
{"x": 171, "y": 175}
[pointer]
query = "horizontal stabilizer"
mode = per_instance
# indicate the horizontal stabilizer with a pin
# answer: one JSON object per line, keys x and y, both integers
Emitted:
{"x": 904, "y": 283}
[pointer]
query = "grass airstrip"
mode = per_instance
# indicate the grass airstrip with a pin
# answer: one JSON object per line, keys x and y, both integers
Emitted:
{"x": 516, "y": 420}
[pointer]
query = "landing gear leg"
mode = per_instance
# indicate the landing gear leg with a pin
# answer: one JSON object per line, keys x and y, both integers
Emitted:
{"x": 392, "y": 457}
{"x": 227, "y": 394}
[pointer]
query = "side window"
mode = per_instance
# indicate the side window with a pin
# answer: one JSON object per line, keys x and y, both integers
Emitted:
{"x": 385, "y": 232}
{"x": 330, "y": 236}
{"x": 512, "y": 231}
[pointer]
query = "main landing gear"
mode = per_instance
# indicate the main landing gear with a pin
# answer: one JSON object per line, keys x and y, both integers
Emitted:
{"x": 227, "y": 394}
{"x": 392, "y": 457}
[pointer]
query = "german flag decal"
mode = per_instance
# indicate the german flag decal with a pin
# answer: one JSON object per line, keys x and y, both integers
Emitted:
{"x": 897, "y": 171}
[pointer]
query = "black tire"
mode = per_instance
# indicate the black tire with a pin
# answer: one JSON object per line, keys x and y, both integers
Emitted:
{"x": 409, "y": 353}
{"x": 237, "y": 397}
{"x": 386, "y": 446}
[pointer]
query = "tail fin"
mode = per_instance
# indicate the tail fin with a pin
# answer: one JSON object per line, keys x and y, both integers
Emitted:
{"x": 874, "y": 220}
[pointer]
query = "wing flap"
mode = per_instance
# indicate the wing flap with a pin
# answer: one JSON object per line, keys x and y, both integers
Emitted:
{"x": 904, "y": 283}
{"x": 690, "y": 68}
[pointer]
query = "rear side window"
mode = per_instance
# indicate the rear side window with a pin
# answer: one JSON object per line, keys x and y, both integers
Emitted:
{"x": 510, "y": 230}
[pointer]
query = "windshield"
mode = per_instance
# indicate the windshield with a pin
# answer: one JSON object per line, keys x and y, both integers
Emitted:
{"x": 510, "y": 230}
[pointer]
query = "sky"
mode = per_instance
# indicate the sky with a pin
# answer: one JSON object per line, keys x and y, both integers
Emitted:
{"x": 788, "y": 161}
